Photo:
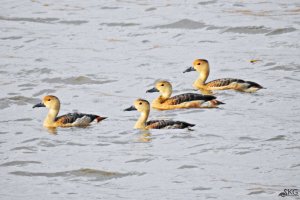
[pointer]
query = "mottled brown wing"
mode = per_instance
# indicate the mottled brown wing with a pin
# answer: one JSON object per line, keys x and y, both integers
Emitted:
{"x": 72, "y": 117}
{"x": 178, "y": 99}
{"x": 168, "y": 124}
{"x": 223, "y": 82}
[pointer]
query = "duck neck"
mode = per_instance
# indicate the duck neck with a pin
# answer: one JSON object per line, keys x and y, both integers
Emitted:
{"x": 50, "y": 118}
{"x": 141, "y": 122}
{"x": 202, "y": 77}
{"x": 165, "y": 95}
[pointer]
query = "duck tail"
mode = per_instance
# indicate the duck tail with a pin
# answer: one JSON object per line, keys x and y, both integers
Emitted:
{"x": 216, "y": 102}
{"x": 255, "y": 85}
{"x": 99, "y": 118}
{"x": 192, "y": 125}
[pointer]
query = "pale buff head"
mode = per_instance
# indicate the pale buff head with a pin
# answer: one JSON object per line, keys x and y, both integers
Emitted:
{"x": 142, "y": 105}
{"x": 51, "y": 102}
{"x": 201, "y": 65}
{"x": 163, "y": 86}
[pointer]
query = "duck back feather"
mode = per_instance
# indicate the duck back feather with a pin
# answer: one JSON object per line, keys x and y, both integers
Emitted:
{"x": 78, "y": 118}
{"x": 178, "y": 99}
{"x": 168, "y": 124}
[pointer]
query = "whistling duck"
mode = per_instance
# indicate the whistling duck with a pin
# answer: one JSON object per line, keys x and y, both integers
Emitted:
{"x": 143, "y": 107}
{"x": 202, "y": 67}
{"x": 70, "y": 119}
{"x": 187, "y": 100}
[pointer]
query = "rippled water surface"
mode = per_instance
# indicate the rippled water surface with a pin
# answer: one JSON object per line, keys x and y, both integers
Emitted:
{"x": 98, "y": 56}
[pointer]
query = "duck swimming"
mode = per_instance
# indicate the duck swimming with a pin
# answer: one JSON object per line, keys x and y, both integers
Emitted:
{"x": 68, "y": 120}
{"x": 187, "y": 100}
{"x": 202, "y": 67}
{"x": 143, "y": 107}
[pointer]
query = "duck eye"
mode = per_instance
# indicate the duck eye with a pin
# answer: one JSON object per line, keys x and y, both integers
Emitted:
{"x": 162, "y": 84}
{"x": 140, "y": 103}
{"x": 198, "y": 63}
{"x": 49, "y": 100}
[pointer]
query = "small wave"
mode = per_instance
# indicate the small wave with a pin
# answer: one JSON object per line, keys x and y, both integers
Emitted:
{"x": 187, "y": 167}
{"x": 120, "y": 24}
{"x": 43, "y": 92}
{"x": 16, "y": 100}
{"x": 277, "y": 138}
{"x": 12, "y": 38}
{"x": 109, "y": 8}
{"x": 294, "y": 147}
{"x": 248, "y": 138}
{"x": 256, "y": 192}
{"x": 73, "y": 22}
{"x": 75, "y": 144}
{"x": 207, "y": 2}
{"x": 23, "y": 120}
{"x": 92, "y": 174}
{"x": 27, "y": 149}
{"x": 295, "y": 165}
{"x": 76, "y": 80}
{"x": 243, "y": 152}
{"x": 182, "y": 24}
{"x": 18, "y": 163}
{"x": 150, "y": 9}
{"x": 25, "y": 19}
{"x": 285, "y": 68}
{"x": 248, "y": 30}
{"x": 39, "y": 71}
{"x": 202, "y": 188}
{"x": 139, "y": 160}
{"x": 282, "y": 31}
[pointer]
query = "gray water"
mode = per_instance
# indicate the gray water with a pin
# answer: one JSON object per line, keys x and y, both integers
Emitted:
{"x": 99, "y": 56}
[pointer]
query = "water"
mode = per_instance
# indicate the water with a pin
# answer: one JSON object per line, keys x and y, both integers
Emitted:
{"x": 99, "y": 56}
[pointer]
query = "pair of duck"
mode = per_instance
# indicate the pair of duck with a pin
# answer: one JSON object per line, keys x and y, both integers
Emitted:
{"x": 163, "y": 102}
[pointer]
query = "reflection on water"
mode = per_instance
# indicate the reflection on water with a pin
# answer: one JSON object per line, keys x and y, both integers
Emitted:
{"x": 95, "y": 175}
{"x": 51, "y": 130}
{"x": 100, "y": 56}
{"x": 145, "y": 136}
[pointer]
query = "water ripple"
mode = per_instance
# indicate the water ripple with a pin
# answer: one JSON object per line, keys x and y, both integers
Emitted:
{"x": 19, "y": 163}
{"x": 120, "y": 24}
{"x": 182, "y": 24}
{"x": 25, "y": 19}
{"x": 91, "y": 174}
{"x": 282, "y": 31}
{"x": 16, "y": 100}
{"x": 248, "y": 30}
{"x": 187, "y": 167}
{"x": 277, "y": 138}
{"x": 76, "y": 80}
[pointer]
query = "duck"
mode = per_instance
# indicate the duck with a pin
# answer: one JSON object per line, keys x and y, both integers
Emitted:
{"x": 68, "y": 120}
{"x": 143, "y": 106}
{"x": 181, "y": 101}
{"x": 202, "y": 67}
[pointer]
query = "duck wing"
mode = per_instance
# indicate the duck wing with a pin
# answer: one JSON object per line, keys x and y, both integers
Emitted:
{"x": 78, "y": 119}
{"x": 181, "y": 98}
{"x": 223, "y": 82}
{"x": 167, "y": 124}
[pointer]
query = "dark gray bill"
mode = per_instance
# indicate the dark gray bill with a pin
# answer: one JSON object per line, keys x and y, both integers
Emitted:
{"x": 190, "y": 69}
{"x": 39, "y": 105}
{"x": 131, "y": 108}
{"x": 152, "y": 90}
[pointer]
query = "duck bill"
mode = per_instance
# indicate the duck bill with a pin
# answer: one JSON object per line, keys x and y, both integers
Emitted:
{"x": 152, "y": 90}
{"x": 131, "y": 108}
{"x": 190, "y": 69}
{"x": 39, "y": 105}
